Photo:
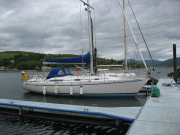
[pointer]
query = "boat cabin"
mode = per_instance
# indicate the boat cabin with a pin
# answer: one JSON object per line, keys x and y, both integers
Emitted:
{"x": 58, "y": 72}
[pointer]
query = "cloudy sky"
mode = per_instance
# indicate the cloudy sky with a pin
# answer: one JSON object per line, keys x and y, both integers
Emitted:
{"x": 61, "y": 27}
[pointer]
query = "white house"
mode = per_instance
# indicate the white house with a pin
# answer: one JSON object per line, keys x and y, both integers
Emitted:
{"x": 2, "y": 68}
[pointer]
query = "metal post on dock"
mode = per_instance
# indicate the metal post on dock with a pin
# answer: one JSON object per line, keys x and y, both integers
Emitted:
{"x": 20, "y": 110}
{"x": 175, "y": 63}
{"x": 152, "y": 86}
{"x": 147, "y": 92}
{"x": 117, "y": 122}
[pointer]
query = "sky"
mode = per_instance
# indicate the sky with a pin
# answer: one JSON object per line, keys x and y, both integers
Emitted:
{"x": 61, "y": 27}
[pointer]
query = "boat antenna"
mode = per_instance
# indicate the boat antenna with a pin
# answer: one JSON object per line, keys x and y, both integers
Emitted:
{"x": 134, "y": 38}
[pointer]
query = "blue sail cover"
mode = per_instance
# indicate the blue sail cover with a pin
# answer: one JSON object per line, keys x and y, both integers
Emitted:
{"x": 58, "y": 72}
{"x": 86, "y": 59}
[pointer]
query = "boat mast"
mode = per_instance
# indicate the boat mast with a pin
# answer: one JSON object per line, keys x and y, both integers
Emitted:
{"x": 125, "y": 37}
{"x": 90, "y": 38}
{"x": 134, "y": 38}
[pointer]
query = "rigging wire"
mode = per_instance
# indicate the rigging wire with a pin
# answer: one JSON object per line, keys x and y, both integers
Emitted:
{"x": 46, "y": 27}
{"x": 130, "y": 37}
{"x": 128, "y": 52}
{"x": 105, "y": 37}
{"x": 70, "y": 37}
{"x": 66, "y": 32}
{"x": 112, "y": 17}
{"x": 141, "y": 33}
{"x": 70, "y": 31}
{"x": 65, "y": 27}
{"x": 53, "y": 24}
{"x": 82, "y": 37}
{"x": 112, "y": 23}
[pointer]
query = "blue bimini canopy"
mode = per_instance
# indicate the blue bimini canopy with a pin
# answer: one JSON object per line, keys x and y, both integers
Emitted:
{"x": 58, "y": 72}
{"x": 80, "y": 59}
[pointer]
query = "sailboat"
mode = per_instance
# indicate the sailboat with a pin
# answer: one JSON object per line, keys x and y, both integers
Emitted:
{"x": 61, "y": 81}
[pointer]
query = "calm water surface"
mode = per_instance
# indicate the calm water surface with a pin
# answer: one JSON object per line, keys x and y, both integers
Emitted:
{"x": 11, "y": 88}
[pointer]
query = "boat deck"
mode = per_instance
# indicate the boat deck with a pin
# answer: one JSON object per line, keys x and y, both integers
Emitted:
{"x": 159, "y": 115}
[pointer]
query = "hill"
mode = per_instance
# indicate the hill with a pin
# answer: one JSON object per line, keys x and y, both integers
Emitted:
{"x": 166, "y": 63}
{"x": 29, "y": 60}
{"x": 11, "y": 54}
{"x": 26, "y": 60}
{"x": 148, "y": 62}
{"x": 169, "y": 62}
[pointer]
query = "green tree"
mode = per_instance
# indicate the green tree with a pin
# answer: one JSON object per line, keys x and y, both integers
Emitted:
{"x": 22, "y": 66}
{"x": 6, "y": 62}
{"x": 12, "y": 66}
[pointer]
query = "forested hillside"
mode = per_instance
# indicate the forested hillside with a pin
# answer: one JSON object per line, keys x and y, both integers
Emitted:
{"x": 29, "y": 60}
{"x": 21, "y": 60}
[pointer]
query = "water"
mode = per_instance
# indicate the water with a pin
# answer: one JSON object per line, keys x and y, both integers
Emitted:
{"x": 11, "y": 88}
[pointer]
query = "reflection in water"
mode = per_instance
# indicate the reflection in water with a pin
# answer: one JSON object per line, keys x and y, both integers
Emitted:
{"x": 87, "y": 101}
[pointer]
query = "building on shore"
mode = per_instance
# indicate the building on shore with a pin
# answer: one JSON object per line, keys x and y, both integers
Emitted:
{"x": 2, "y": 68}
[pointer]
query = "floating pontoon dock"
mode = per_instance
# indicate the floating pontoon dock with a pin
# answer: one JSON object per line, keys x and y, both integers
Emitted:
{"x": 111, "y": 116}
{"x": 159, "y": 116}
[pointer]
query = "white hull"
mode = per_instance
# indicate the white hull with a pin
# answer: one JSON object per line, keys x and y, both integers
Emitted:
{"x": 85, "y": 88}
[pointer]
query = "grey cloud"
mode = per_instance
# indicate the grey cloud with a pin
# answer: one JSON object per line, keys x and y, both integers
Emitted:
{"x": 23, "y": 24}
